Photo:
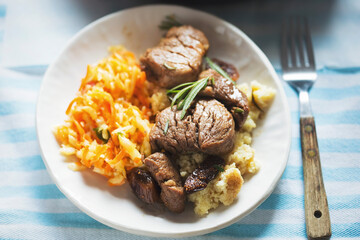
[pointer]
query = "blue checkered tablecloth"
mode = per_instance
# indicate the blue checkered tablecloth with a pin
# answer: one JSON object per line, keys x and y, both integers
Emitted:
{"x": 32, "y": 33}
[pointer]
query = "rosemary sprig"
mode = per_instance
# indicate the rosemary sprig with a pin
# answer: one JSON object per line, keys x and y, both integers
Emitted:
{"x": 200, "y": 84}
{"x": 218, "y": 69}
{"x": 238, "y": 110}
{"x": 180, "y": 105}
{"x": 219, "y": 168}
{"x": 166, "y": 127}
{"x": 180, "y": 95}
{"x": 183, "y": 97}
{"x": 179, "y": 86}
{"x": 169, "y": 22}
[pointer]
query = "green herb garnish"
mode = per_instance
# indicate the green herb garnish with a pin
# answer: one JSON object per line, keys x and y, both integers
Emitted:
{"x": 169, "y": 22}
{"x": 176, "y": 89}
{"x": 213, "y": 81}
{"x": 180, "y": 94}
{"x": 169, "y": 67}
{"x": 198, "y": 86}
{"x": 183, "y": 97}
{"x": 218, "y": 69}
{"x": 180, "y": 105}
{"x": 102, "y": 133}
{"x": 238, "y": 110}
{"x": 219, "y": 168}
{"x": 166, "y": 127}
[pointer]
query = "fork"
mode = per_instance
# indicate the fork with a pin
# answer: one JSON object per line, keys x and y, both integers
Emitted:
{"x": 298, "y": 66}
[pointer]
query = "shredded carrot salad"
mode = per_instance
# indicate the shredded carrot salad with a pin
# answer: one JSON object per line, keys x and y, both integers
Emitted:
{"x": 108, "y": 121}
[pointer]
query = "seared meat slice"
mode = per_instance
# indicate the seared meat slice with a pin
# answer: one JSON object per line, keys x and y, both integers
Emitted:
{"x": 208, "y": 128}
{"x": 167, "y": 69}
{"x": 168, "y": 177}
{"x": 201, "y": 176}
{"x": 143, "y": 185}
{"x": 190, "y": 37}
{"x": 227, "y": 67}
{"x": 181, "y": 136}
{"x": 177, "y": 58}
{"x": 227, "y": 93}
{"x": 216, "y": 127}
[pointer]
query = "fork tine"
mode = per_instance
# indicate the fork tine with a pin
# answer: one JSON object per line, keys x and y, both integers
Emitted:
{"x": 284, "y": 47}
{"x": 292, "y": 42}
{"x": 299, "y": 28}
{"x": 309, "y": 48}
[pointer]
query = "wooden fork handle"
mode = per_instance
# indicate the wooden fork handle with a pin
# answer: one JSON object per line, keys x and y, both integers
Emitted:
{"x": 316, "y": 207}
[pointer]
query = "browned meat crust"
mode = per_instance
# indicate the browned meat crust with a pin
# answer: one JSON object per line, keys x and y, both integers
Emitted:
{"x": 201, "y": 176}
{"x": 227, "y": 67}
{"x": 227, "y": 93}
{"x": 143, "y": 185}
{"x": 168, "y": 177}
{"x": 208, "y": 128}
{"x": 177, "y": 58}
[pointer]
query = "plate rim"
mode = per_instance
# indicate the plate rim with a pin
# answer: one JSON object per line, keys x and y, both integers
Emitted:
{"x": 121, "y": 227}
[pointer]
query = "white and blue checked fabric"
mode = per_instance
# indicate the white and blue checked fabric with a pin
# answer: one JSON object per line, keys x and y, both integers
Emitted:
{"x": 31, "y": 206}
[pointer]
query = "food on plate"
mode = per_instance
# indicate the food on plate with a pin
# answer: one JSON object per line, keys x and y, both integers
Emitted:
{"x": 202, "y": 175}
{"x": 222, "y": 190}
{"x": 167, "y": 176}
{"x": 107, "y": 126}
{"x": 175, "y": 128}
{"x": 177, "y": 58}
{"x": 228, "y": 68}
{"x": 227, "y": 93}
{"x": 208, "y": 127}
{"x": 216, "y": 127}
{"x": 159, "y": 100}
{"x": 143, "y": 185}
{"x": 238, "y": 163}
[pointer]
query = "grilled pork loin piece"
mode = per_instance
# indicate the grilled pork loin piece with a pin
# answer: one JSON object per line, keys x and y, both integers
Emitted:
{"x": 201, "y": 176}
{"x": 227, "y": 93}
{"x": 167, "y": 176}
{"x": 177, "y": 58}
{"x": 143, "y": 185}
{"x": 208, "y": 127}
{"x": 181, "y": 135}
{"x": 216, "y": 127}
{"x": 227, "y": 67}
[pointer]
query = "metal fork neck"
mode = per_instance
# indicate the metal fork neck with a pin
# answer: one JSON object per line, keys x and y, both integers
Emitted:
{"x": 305, "y": 107}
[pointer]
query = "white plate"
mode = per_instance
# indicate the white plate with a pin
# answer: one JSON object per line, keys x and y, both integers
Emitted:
{"x": 137, "y": 29}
